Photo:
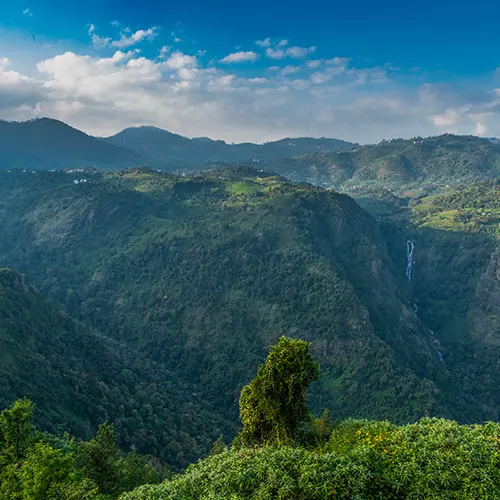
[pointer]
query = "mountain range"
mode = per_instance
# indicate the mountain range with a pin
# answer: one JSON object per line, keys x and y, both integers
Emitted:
{"x": 416, "y": 166}
{"x": 50, "y": 144}
{"x": 148, "y": 297}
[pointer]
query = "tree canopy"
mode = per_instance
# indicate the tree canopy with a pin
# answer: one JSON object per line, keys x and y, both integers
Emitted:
{"x": 274, "y": 403}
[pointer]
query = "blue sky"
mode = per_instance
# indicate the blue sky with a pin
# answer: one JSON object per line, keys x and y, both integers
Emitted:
{"x": 257, "y": 70}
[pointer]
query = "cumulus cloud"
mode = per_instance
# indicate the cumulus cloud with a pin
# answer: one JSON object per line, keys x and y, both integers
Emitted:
{"x": 126, "y": 39}
{"x": 17, "y": 91}
{"x": 294, "y": 52}
{"x": 27, "y": 12}
{"x": 177, "y": 91}
{"x": 290, "y": 70}
{"x": 179, "y": 60}
{"x": 338, "y": 61}
{"x": 264, "y": 43}
{"x": 135, "y": 38}
{"x": 238, "y": 57}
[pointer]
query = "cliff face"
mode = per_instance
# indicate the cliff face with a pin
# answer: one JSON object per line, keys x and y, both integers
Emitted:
{"x": 485, "y": 315}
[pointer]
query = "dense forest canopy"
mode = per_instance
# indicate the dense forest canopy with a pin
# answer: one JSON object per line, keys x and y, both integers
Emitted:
{"x": 148, "y": 299}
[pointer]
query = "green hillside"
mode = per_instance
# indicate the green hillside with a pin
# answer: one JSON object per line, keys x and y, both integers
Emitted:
{"x": 432, "y": 458}
{"x": 80, "y": 379}
{"x": 416, "y": 165}
{"x": 199, "y": 274}
{"x": 51, "y": 144}
{"x": 294, "y": 455}
{"x": 163, "y": 146}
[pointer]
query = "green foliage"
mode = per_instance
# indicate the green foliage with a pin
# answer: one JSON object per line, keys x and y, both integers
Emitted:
{"x": 405, "y": 167}
{"x": 43, "y": 468}
{"x": 16, "y": 429}
{"x": 99, "y": 459}
{"x": 80, "y": 379}
{"x": 273, "y": 404}
{"x": 471, "y": 208}
{"x": 218, "y": 447}
{"x": 48, "y": 467}
{"x": 186, "y": 283}
{"x": 433, "y": 458}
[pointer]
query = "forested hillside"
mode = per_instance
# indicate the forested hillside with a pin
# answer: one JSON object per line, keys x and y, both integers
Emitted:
{"x": 281, "y": 451}
{"x": 176, "y": 150}
{"x": 51, "y": 144}
{"x": 80, "y": 379}
{"x": 416, "y": 165}
{"x": 199, "y": 274}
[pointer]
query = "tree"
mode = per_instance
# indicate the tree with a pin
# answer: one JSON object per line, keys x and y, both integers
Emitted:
{"x": 274, "y": 403}
{"x": 99, "y": 458}
{"x": 218, "y": 447}
{"x": 43, "y": 468}
{"x": 17, "y": 429}
{"x": 134, "y": 470}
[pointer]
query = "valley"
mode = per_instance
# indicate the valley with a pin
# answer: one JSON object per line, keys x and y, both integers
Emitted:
{"x": 148, "y": 296}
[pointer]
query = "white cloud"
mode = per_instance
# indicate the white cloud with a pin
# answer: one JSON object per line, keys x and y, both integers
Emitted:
{"x": 320, "y": 77}
{"x": 178, "y": 60}
{"x": 127, "y": 38}
{"x": 300, "y": 52}
{"x": 264, "y": 43}
{"x": 449, "y": 118}
{"x": 164, "y": 51}
{"x": 178, "y": 91}
{"x": 258, "y": 80}
{"x": 338, "y": 61}
{"x": 238, "y": 57}
{"x": 314, "y": 64}
{"x": 290, "y": 70}
{"x": 294, "y": 52}
{"x": 135, "y": 38}
{"x": 275, "y": 53}
{"x": 27, "y": 12}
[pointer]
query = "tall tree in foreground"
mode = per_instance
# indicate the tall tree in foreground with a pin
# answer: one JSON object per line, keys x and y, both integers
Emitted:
{"x": 274, "y": 402}
{"x": 16, "y": 429}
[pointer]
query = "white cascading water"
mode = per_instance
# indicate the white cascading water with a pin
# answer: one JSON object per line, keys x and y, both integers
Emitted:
{"x": 409, "y": 258}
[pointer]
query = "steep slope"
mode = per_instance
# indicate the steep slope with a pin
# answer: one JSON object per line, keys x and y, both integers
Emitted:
{"x": 201, "y": 273}
{"x": 399, "y": 165}
{"x": 79, "y": 379}
{"x": 177, "y": 150}
{"x": 456, "y": 278}
{"x": 51, "y": 144}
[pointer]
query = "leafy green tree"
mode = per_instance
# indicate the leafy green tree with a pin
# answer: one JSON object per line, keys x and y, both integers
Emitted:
{"x": 99, "y": 458}
{"x": 274, "y": 403}
{"x": 16, "y": 429}
{"x": 218, "y": 447}
{"x": 134, "y": 470}
{"x": 78, "y": 490}
{"x": 44, "y": 467}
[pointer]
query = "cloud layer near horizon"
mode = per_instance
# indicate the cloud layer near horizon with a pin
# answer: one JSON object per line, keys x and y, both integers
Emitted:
{"x": 118, "y": 87}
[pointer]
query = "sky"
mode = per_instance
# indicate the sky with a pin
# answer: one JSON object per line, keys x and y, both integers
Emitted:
{"x": 254, "y": 71}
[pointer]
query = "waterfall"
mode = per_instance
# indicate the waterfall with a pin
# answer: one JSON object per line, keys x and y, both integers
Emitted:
{"x": 441, "y": 358}
{"x": 409, "y": 258}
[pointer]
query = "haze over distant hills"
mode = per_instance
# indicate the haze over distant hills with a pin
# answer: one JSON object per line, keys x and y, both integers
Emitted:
{"x": 50, "y": 144}
{"x": 399, "y": 164}
{"x": 163, "y": 146}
